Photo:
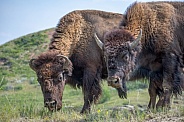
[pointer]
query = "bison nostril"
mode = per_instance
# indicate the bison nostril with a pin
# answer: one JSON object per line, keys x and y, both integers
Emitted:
{"x": 117, "y": 81}
{"x": 46, "y": 104}
{"x": 114, "y": 82}
{"x": 50, "y": 104}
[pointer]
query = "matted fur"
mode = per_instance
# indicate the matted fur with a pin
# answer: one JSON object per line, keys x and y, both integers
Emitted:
{"x": 157, "y": 21}
{"x": 81, "y": 25}
{"x": 50, "y": 56}
{"x": 46, "y": 57}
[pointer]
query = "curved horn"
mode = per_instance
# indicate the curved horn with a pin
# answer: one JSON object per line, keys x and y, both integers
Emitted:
{"x": 67, "y": 63}
{"x": 99, "y": 43}
{"x": 136, "y": 41}
{"x": 31, "y": 64}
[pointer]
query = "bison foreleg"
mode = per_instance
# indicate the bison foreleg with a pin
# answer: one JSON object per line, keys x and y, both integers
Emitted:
{"x": 91, "y": 89}
{"x": 167, "y": 98}
{"x": 164, "y": 100}
{"x": 152, "y": 94}
{"x": 160, "y": 102}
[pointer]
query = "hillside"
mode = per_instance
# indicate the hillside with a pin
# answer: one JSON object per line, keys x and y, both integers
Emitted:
{"x": 15, "y": 55}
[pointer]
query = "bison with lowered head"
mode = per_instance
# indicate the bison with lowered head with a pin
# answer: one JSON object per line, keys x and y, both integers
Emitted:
{"x": 149, "y": 43}
{"x": 74, "y": 58}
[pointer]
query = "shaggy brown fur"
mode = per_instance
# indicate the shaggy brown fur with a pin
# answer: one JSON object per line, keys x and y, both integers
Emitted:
{"x": 51, "y": 75}
{"x": 81, "y": 25}
{"x": 162, "y": 27}
{"x": 73, "y": 38}
{"x": 154, "y": 19}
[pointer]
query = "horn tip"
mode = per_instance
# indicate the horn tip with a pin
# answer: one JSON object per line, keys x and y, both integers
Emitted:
{"x": 141, "y": 31}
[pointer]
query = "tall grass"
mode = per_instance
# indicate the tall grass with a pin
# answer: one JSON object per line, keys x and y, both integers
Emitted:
{"x": 27, "y": 105}
{"x": 3, "y": 82}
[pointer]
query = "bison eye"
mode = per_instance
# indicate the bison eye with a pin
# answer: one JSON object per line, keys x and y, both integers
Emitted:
{"x": 126, "y": 58}
{"x": 60, "y": 77}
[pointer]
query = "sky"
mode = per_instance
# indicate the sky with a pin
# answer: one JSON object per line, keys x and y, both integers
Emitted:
{"x": 21, "y": 17}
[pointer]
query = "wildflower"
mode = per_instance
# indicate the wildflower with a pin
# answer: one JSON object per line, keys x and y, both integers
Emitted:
{"x": 107, "y": 112}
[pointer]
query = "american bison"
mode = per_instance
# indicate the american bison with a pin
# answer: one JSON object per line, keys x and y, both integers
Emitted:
{"x": 149, "y": 43}
{"x": 74, "y": 58}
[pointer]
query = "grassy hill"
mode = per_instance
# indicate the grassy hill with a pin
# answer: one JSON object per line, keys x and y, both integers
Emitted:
{"x": 21, "y": 98}
{"x": 15, "y": 55}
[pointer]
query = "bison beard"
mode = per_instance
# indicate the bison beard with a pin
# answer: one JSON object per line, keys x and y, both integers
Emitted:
{"x": 73, "y": 38}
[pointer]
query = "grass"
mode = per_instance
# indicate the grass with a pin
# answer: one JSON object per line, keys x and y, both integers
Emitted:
{"x": 26, "y": 104}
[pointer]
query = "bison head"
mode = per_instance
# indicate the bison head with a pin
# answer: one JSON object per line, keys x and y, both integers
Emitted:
{"x": 52, "y": 70}
{"x": 120, "y": 49}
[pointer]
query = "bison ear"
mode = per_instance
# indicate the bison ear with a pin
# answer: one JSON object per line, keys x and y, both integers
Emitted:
{"x": 99, "y": 43}
{"x": 32, "y": 64}
{"x": 135, "y": 43}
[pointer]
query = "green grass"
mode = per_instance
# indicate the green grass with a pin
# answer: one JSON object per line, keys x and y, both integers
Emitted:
{"x": 26, "y": 104}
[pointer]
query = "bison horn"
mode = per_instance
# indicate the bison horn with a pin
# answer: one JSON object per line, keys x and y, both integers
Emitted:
{"x": 136, "y": 41}
{"x": 99, "y": 43}
{"x": 67, "y": 63}
{"x": 32, "y": 65}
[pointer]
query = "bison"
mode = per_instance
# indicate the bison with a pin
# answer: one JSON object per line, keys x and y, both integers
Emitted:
{"x": 74, "y": 58}
{"x": 148, "y": 43}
